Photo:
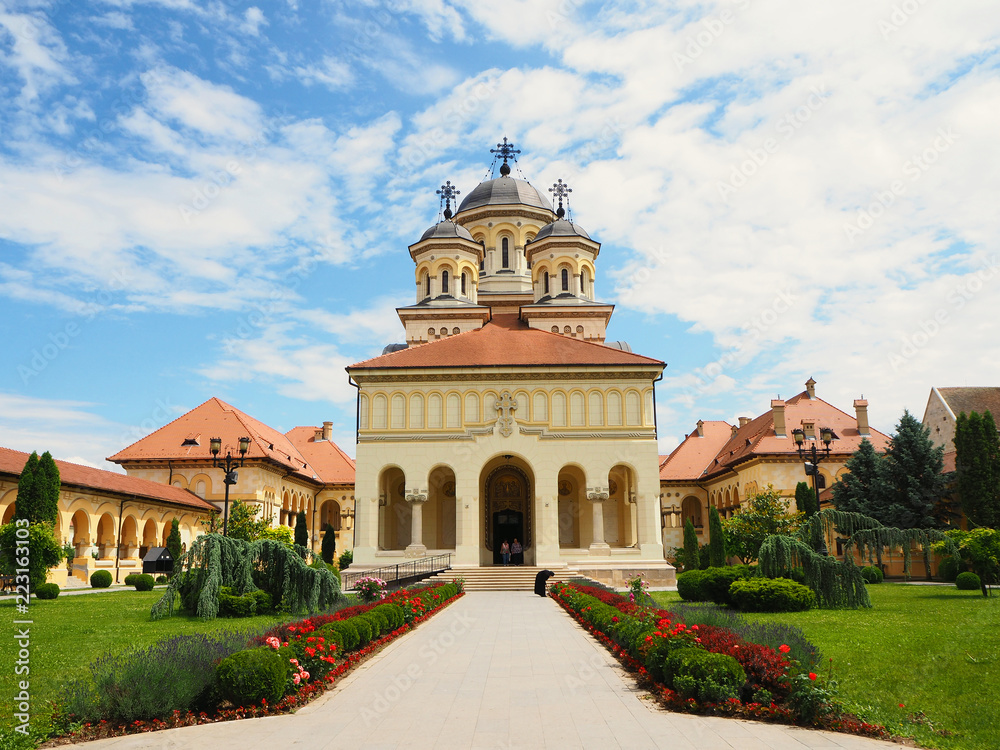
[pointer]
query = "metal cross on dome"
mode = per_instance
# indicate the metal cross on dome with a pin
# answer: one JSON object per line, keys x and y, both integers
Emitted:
{"x": 447, "y": 193}
{"x": 506, "y": 151}
{"x": 560, "y": 190}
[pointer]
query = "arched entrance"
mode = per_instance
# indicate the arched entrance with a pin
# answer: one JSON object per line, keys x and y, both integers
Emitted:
{"x": 507, "y": 509}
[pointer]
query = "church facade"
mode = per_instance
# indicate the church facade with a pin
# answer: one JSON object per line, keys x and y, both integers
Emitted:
{"x": 506, "y": 415}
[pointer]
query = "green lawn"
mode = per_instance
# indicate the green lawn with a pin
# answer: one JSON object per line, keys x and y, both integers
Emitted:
{"x": 934, "y": 649}
{"x": 68, "y": 633}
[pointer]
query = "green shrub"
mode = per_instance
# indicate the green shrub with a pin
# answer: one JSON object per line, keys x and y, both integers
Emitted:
{"x": 233, "y": 605}
{"x": 380, "y": 620}
{"x": 700, "y": 674}
{"x": 263, "y": 600}
{"x": 871, "y": 574}
{"x": 131, "y": 578}
{"x": 349, "y": 637}
{"x": 248, "y": 677}
{"x": 393, "y": 614}
{"x": 365, "y": 629}
{"x": 345, "y": 559}
{"x": 100, "y": 579}
{"x": 949, "y": 568}
{"x": 143, "y": 582}
{"x": 968, "y": 581}
{"x": 47, "y": 591}
{"x": 715, "y": 582}
{"x": 771, "y": 595}
{"x": 161, "y": 579}
{"x": 689, "y": 586}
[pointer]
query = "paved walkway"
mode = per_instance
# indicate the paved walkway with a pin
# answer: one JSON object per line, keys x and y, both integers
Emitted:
{"x": 497, "y": 670}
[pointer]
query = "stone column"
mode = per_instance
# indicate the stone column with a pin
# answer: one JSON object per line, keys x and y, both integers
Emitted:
{"x": 416, "y": 546}
{"x": 597, "y": 497}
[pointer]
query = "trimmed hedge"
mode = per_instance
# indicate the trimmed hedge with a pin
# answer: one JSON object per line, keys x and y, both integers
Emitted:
{"x": 143, "y": 582}
{"x": 968, "y": 581}
{"x": 871, "y": 574}
{"x": 247, "y": 605}
{"x": 100, "y": 579}
{"x": 47, "y": 591}
{"x": 131, "y": 578}
{"x": 771, "y": 595}
{"x": 704, "y": 675}
{"x": 711, "y": 584}
{"x": 248, "y": 677}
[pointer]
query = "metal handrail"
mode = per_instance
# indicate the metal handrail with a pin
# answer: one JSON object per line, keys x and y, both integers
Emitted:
{"x": 418, "y": 566}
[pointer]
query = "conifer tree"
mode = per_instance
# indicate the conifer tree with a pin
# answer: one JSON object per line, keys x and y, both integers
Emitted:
{"x": 174, "y": 541}
{"x": 29, "y": 491}
{"x": 301, "y": 530}
{"x": 716, "y": 540}
{"x": 805, "y": 499}
{"x": 689, "y": 556}
{"x": 328, "y": 549}
{"x": 47, "y": 479}
{"x": 977, "y": 466}
{"x": 915, "y": 484}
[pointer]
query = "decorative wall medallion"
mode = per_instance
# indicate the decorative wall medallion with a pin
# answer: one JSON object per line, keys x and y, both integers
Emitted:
{"x": 506, "y": 406}
{"x": 401, "y": 489}
{"x": 613, "y": 486}
{"x": 565, "y": 487}
{"x": 449, "y": 489}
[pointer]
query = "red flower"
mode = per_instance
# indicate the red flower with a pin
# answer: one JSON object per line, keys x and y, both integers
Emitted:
{"x": 784, "y": 649}
{"x": 901, "y": 705}
{"x": 812, "y": 675}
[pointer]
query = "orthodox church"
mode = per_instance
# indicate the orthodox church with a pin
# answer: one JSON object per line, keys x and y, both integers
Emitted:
{"x": 506, "y": 415}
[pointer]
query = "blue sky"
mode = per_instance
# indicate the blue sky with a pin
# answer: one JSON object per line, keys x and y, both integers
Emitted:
{"x": 215, "y": 198}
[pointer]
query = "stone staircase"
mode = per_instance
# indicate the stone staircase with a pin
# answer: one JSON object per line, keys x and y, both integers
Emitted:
{"x": 499, "y": 578}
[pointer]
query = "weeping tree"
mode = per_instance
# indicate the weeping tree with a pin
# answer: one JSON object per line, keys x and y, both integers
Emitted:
{"x": 836, "y": 583}
{"x": 214, "y": 561}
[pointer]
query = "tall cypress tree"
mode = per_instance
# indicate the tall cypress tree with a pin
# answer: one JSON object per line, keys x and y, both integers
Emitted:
{"x": 329, "y": 546}
{"x": 47, "y": 479}
{"x": 689, "y": 556}
{"x": 301, "y": 530}
{"x": 174, "y": 543}
{"x": 716, "y": 540}
{"x": 977, "y": 465}
{"x": 805, "y": 499}
{"x": 29, "y": 491}
{"x": 915, "y": 484}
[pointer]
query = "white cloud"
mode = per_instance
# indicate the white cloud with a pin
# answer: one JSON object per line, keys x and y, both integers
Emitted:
{"x": 35, "y": 50}
{"x": 253, "y": 19}
{"x": 335, "y": 74}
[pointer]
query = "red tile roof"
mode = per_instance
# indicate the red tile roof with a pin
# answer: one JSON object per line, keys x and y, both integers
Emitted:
{"x": 216, "y": 418}
{"x": 757, "y": 437}
{"x": 86, "y": 477}
{"x": 690, "y": 459}
{"x": 970, "y": 399}
{"x": 506, "y": 341}
{"x": 324, "y": 456}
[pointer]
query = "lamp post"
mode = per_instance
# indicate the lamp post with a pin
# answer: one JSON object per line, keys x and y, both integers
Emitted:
{"x": 229, "y": 464}
{"x": 811, "y": 457}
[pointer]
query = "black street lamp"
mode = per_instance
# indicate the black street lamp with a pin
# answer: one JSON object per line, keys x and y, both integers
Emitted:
{"x": 229, "y": 464}
{"x": 811, "y": 457}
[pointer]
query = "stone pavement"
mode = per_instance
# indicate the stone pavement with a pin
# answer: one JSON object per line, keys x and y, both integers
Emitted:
{"x": 497, "y": 670}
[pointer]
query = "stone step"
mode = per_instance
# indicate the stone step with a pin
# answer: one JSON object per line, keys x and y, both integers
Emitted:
{"x": 514, "y": 578}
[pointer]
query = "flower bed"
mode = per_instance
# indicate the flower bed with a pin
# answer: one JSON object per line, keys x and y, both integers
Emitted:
{"x": 657, "y": 647}
{"x": 313, "y": 654}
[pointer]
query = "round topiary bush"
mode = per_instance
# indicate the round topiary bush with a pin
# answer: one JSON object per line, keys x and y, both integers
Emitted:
{"x": 715, "y": 582}
{"x": 771, "y": 595}
{"x": 248, "y": 677}
{"x": 47, "y": 591}
{"x": 100, "y": 579}
{"x": 871, "y": 574}
{"x": 949, "y": 568}
{"x": 689, "y": 586}
{"x": 707, "y": 676}
{"x": 161, "y": 579}
{"x": 131, "y": 578}
{"x": 143, "y": 582}
{"x": 968, "y": 581}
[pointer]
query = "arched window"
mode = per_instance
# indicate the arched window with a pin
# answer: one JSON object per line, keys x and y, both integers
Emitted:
{"x": 820, "y": 481}
{"x": 545, "y": 282}
{"x": 585, "y": 283}
{"x": 464, "y": 293}
{"x": 505, "y": 252}
{"x": 427, "y": 279}
{"x": 565, "y": 280}
{"x": 444, "y": 282}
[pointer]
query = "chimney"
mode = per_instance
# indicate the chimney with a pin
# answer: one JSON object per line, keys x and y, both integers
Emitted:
{"x": 327, "y": 430}
{"x": 861, "y": 409}
{"x": 778, "y": 414}
{"x": 734, "y": 428}
{"x": 811, "y": 388}
{"x": 744, "y": 421}
{"x": 701, "y": 428}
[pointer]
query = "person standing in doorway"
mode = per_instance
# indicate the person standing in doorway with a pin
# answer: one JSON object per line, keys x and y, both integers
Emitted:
{"x": 505, "y": 553}
{"x": 517, "y": 553}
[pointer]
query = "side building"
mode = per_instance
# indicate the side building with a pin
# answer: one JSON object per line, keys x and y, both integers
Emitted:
{"x": 110, "y": 519}
{"x": 283, "y": 473}
{"x": 720, "y": 464}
